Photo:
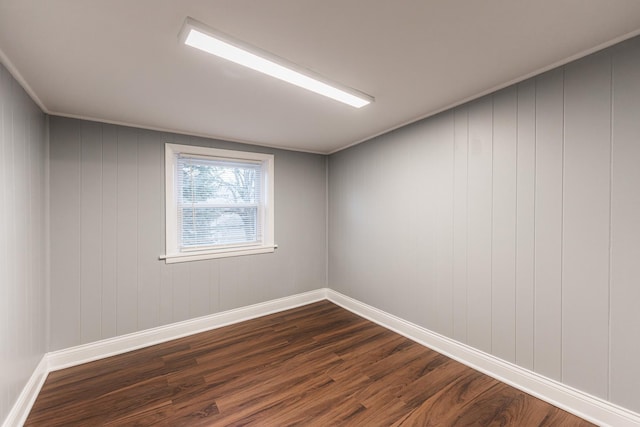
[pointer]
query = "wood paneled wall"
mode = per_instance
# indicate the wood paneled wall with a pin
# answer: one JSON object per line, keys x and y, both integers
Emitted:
{"x": 23, "y": 308}
{"x": 510, "y": 223}
{"x": 107, "y": 231}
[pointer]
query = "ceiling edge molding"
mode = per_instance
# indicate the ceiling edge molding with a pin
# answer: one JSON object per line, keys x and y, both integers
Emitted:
{"x": 182, "y": 132}
{"x": 4, "y": 60}
{"x": 517, "y": 80}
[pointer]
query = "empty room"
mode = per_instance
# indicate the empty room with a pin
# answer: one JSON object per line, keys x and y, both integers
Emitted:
{"x": 319, "y": 213}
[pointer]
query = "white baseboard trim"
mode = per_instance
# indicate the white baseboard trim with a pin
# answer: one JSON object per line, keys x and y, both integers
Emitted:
{"x": 110, "y": 347}
{"x": 591, "y": 408}
{"x": 579, "y": 403}
{"x": 18, "y": 414}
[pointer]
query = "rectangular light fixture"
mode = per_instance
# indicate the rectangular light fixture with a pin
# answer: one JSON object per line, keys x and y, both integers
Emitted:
{"x": 197, "y": 35}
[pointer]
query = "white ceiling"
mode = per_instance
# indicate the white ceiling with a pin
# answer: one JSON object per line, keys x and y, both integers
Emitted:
{"x": 120, "y": 61}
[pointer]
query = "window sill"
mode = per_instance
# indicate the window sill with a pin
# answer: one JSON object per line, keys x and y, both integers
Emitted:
{"x": 220, "y": 253}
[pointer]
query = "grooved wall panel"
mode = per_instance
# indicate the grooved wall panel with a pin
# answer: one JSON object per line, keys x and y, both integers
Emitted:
{"x": 107, "y": 217}
{"x": 127, "y": 218}
{"x": 586, "y": 224}
{"x": 443, "y": 223}
{"x": 503, "y": 259}
{"x": 150, "y": 232}
{"x": 414, "y": 230}
{"x": 180, "y": 291}
{"x": 459, "y": 231}
{"x": 90, "y": 231}
{"x": 65, "y": 254}
{"x": 479, "y": 219}
{"x": 200, "y": 289}
{"x": 108, "y": 238}
{"x": 525, "y": 227}
{"x": 23, "y": 276}
{"x": 342, "y": 208}
{"x": 624, "y": 376}
{"x": 542, "y": 190}
{"x": 548, "y": 224}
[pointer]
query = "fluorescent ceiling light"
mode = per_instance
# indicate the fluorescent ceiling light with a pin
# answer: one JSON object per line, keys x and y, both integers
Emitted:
{"x": 197, "y": 35}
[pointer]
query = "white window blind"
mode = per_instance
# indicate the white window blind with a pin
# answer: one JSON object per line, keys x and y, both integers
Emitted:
{"x": 219, "y": 202}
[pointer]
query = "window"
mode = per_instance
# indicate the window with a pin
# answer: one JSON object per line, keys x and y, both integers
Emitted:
{"x": 219, "y": 203}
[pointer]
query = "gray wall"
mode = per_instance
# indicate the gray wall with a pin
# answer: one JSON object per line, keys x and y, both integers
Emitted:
{"x": 22, "y": 239}
{"x": 510, "y": 224}
{"x": 107, "y": 231}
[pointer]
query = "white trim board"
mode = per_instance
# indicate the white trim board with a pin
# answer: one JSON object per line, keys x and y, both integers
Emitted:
{"x": 20, "y": 410}
{"x": 579, "y": 403}
{"x": 590, "y": 408}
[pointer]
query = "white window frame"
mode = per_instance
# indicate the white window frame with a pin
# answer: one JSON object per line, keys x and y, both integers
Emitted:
{"x": 173, "y": 253}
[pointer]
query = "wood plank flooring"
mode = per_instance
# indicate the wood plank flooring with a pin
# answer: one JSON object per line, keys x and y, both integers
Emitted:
{"x": 317, "y": 365}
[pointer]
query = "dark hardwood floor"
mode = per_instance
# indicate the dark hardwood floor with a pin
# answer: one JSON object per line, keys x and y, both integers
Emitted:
{"x": 317, "y": 365}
